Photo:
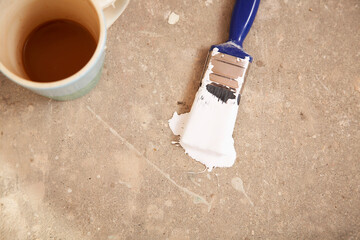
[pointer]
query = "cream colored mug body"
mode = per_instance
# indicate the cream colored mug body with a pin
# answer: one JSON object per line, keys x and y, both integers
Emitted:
{"x": 19, "y": 17}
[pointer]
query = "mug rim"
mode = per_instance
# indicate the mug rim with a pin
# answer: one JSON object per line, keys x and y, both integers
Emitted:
{"x": 83, "y": 71}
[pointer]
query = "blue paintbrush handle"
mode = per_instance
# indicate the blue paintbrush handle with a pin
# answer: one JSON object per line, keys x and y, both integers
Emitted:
{"x": 243, "y": 17}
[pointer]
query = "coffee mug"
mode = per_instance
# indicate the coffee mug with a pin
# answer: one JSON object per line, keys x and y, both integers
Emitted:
{"x": 17, "y": 20}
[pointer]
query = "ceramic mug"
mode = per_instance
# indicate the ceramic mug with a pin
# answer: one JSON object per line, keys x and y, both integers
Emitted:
{"x": 17, "y": 20}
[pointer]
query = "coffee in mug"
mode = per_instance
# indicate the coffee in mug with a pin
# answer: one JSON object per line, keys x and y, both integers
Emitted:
{"x": 56, "y": 50}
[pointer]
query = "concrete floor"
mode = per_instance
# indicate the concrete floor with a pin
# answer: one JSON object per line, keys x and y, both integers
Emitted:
{"x": 103, "y": 166}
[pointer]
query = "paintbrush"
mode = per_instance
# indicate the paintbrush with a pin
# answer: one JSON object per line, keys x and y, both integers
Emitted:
{"x": 207, "y": 132}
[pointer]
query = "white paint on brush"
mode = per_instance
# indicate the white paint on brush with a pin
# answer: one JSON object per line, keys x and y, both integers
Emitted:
{"x": 208, "y": 136}
{"x": 215, "y": 51}
{"x": 206, "y": 131}
{"x": 177, "y": 123}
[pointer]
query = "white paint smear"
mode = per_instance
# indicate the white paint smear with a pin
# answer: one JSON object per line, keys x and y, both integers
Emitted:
{"x": 173, "y": 18}
{"x": 238, "y": 185}
{"x": 206, "y": 131}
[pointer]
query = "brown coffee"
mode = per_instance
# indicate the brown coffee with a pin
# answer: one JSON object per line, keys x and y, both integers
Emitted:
{"x": 56, "y": 50}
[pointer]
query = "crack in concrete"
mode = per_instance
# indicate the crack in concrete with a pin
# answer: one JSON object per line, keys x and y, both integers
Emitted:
{"x": 196, "y": 197}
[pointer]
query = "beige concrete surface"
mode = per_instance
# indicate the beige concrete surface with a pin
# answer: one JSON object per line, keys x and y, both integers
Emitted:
{"x": 103, "y": 166}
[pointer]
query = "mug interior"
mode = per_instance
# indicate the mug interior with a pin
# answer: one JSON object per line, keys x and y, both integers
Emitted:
{"x": 19, "y": 18}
